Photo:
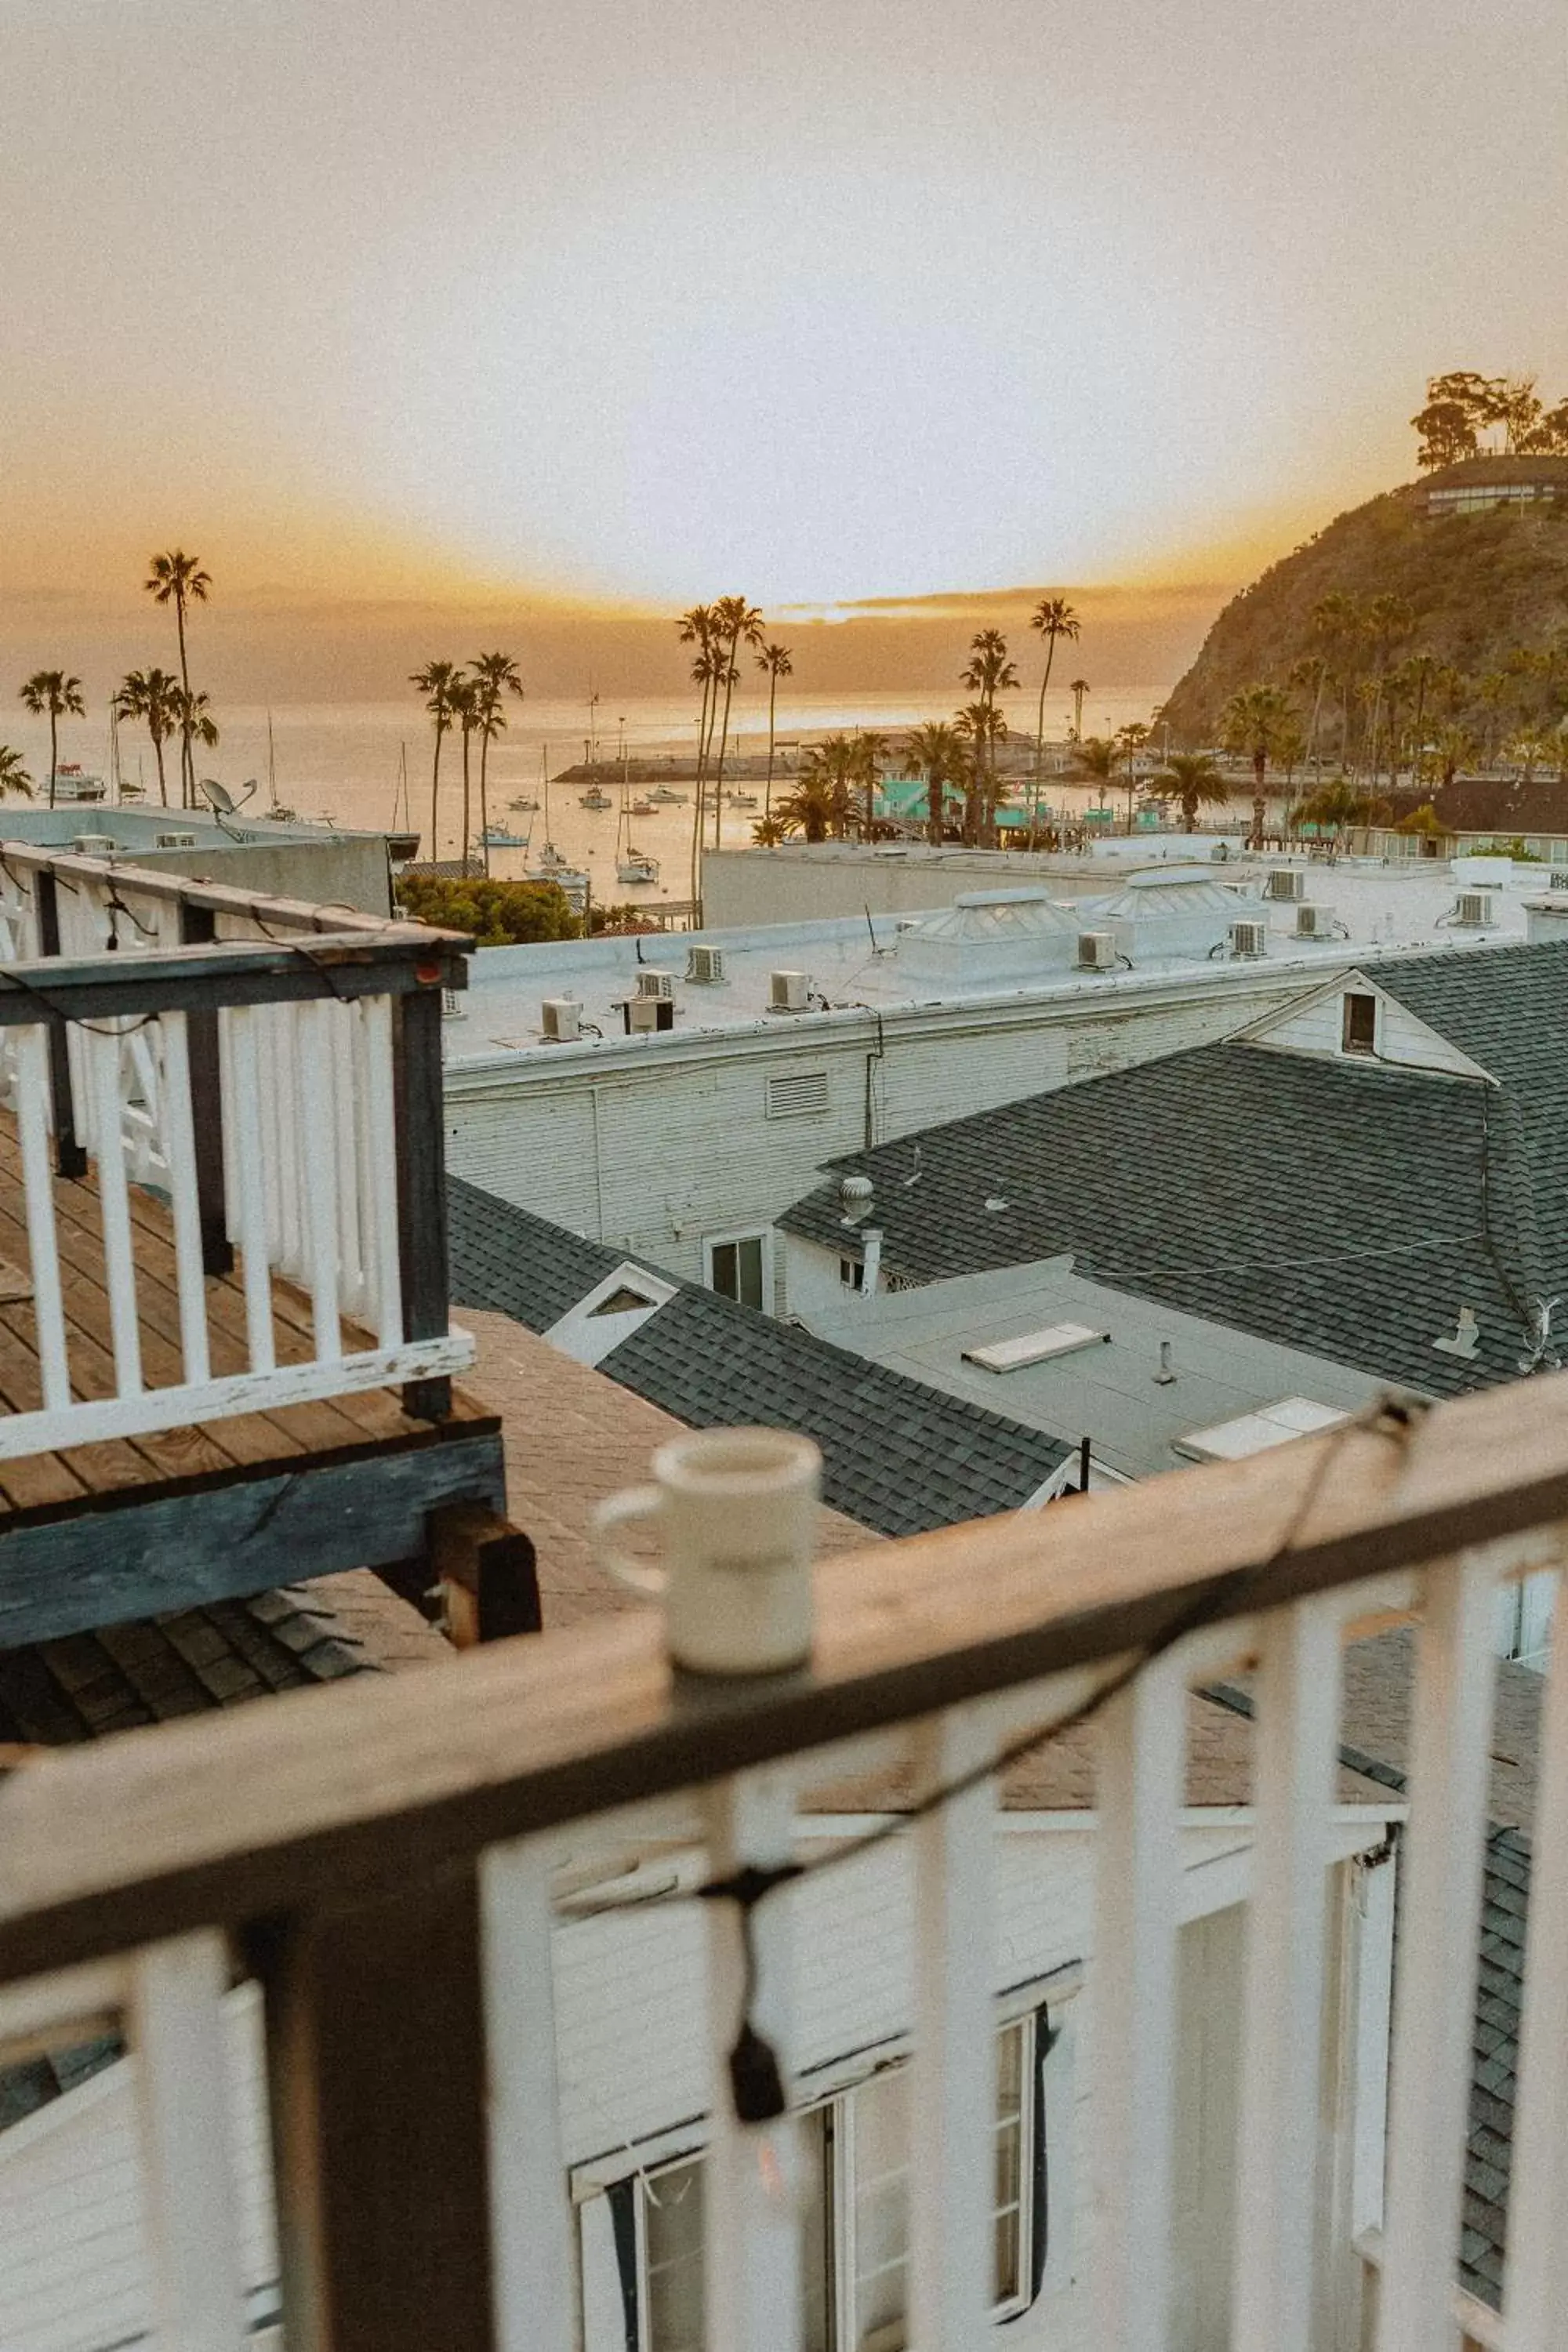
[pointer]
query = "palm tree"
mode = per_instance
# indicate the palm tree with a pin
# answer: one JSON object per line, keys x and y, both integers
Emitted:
{"x": 936, "y": 752}
{"x": 834, "y": 766}
{"x": 1189, "y": 778}
{"x": 150, "y": 694}
{"x": 775, "y": 660}
{"x": 871, "y": 753}
{"x": 1077, "y": 689}
{"x": 14, "y": 776}
{"x": 50, "y": 693}
{"x": 1389, "y": 621}
{"x": 1054, "y": 617}
{"x": 463, "y": 695}
{"x": 735, "y": 619}
{"x": 1335, "y": 626}
{"x": 1130, "y": 740}
{"x": 812, "y": 808}
{"x": 193, "y": 716}
{"x": 982, "y": 727}
{"x": 1256, "y": 720}
{"x": 435, "y": 682}
{"x": 175, "y": 578}
{"x": 495, "y": 676}
{"x": 987, "y": 674}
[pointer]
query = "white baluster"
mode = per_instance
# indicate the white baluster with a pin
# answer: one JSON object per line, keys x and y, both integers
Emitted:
{"x": 379, "y": 1172}
{"x": 1536, "y": 2297}
{"x": 1454, "y": 1675}
{"x": 113, "y": 1197}
{"x": 187, "y": 2138}
{"x": 752, "y": 2237}
{"x": 38, "y": 1186}
{"x": 954, "y": 2077}
{"x": 341, "y": 1022}
{"x": 1293, "y": 1777}
{"x": 531, "y": 2215}
{"x": 318, "y": 1131}
{"x": 1140, "y": 1775}
{"x": 249, "y": 1168}
{"x": 180, "y": 1147}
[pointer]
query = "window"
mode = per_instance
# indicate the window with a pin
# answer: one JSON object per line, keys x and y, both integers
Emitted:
{"x": 852, "y": 1272}
{"x": 1359, "y": 1033}
{"x": 737, "y": 1267}
{"x": 854, "y": 2219}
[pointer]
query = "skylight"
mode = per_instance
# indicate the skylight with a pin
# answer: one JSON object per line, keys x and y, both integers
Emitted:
{"x": 1035, "y": 1347}
{"x": 1254, "y": 1432}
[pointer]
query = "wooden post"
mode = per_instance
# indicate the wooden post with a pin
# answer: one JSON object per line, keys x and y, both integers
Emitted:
{"x": 488, "y": 1571}
{"x": 375, "y": 2036}
{"x": 198, "y": 928}
{"x": 70, "y": 1160}
{"x": 421, "y": 1185}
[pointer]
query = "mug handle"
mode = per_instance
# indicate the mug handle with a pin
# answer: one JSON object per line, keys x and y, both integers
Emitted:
{"x": 636, "y": 1504}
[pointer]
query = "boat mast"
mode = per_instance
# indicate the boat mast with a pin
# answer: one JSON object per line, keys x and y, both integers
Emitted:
{"x": 271, "y": 766}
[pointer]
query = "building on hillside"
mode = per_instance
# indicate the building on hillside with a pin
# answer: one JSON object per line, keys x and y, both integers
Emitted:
{"x": 273, "y": 857}
{"x": 1487, "y": 483}
{"x": 1235, "y": 1242}
{"x": 681, "y": 1093}
{"x": 1478, "y": 814}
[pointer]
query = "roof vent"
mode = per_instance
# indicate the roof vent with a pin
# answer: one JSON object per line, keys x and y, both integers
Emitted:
{"x": 856, "y": 1194}
{"x": 94, "y": 845}
{"x": 655, "y": 984}
{"x": 1249, "y": 939}
{"x": 174, "y": 841}
{"x": 1286, "y": 882}
{"x": 560, "y": 1017}
{"x": 705, "y": 966}
{"x": 1098, "y": 951}
{"x": 789, "y": 992}
{"x": 1473, "y": 910}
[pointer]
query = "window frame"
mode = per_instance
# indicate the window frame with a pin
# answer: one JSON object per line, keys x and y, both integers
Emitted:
{"x": 1348, "y": 1045}
{"x": 763, "y": 1235}
{"x": 837, "y": 2110}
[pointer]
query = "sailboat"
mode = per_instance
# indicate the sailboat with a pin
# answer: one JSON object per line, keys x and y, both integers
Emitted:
{"x": 634, "y": 867}
{"x": 274, "y": 812}
{"x": 553, "y": 867}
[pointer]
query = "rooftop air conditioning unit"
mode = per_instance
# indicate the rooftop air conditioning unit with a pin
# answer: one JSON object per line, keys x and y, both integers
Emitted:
{"x": 1314, "y": 922}
{"x": 560, "y": 1018}
{"x": 655, "y": 984}
{"x": 1285, "y": 882}
{"x": 642, "y": 1014}
{"x": 1249, "y": 939}
{"x": 788, "y": 992}
{"x": 452, "y": 1007}
{"x": 1473, "y": 911}
{"x": 95, "y": 845}
{"x": 705, "y": 965}
{"x": 174, "y": 841}
{"x": 1097, "y": 952}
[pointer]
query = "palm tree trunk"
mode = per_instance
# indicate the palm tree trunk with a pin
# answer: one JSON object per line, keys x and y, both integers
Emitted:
{"x": 1040, "y": 736}
{"x": 724, "y": 737}
{"x": 768, "y": 788}
{"x": 699, "y": 809}
{"x": 484, "y": 802}
{"x": 435, "y": 794}
{"x": 158, "y": 755}
{"x": 187, "y": 767}
{"x": 1259, "y": 797}
{"x": 53, "y": 761}
{"x": 463, "y": 854}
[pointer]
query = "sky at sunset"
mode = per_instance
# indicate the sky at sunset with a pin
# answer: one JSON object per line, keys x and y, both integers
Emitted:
{"x": 418, "y": 323}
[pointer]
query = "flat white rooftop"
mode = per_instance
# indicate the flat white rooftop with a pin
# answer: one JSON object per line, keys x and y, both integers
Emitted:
{"x": 858, "y": 964}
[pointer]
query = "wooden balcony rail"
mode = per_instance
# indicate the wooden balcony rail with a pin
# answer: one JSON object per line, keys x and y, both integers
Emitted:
{"x": 387, "y": 1860}
{"x": 274, "y": 1070}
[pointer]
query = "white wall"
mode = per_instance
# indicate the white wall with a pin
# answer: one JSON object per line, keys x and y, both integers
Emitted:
{"x": 1318, "y": 1027}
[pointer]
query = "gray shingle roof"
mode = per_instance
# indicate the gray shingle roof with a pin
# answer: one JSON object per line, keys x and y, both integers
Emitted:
{"x": 1334, "y": 1206}
{"x": 897, "y": 1456}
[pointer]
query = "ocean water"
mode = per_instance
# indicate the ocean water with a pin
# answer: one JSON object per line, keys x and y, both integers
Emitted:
{"x": 346, "y": 759}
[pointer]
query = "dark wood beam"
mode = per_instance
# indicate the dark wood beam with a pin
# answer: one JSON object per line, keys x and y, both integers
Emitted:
{"x": 194, "y": 980}
{"x": 421, "y": 1128}
{"x": 70, "y": 1159}
{"x": 69, "y": 1568}
{"x": 198, "y": 928}
{"x": 377, "y": 2085}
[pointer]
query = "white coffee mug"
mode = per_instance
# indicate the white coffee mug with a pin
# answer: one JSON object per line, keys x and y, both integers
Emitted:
{"x": 736, "y": 1511}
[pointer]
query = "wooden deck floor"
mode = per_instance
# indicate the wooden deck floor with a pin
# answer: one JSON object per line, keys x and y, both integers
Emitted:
{"x": 244, "y": 1443}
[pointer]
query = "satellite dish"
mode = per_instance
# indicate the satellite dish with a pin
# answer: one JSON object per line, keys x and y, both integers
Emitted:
{"x": 220, "y": 799}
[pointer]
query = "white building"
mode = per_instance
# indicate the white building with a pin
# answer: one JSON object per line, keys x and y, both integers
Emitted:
{"x": 692, "y": 1088}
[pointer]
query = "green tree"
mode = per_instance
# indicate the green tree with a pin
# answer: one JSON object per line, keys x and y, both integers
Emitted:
{"x": 1077, "y": 689}
{"x": 982, "y": 727}
{"x": 834, "y": 766}
{"x": 1190, "y": 778}
{"x": 1389, "y": 622}
{"x": 435, "y": 682}
{"x": 1097, "y": 756}
{"x": 175, "y": 578}
{"x": 870, "y": 757}
{"x": 50, "y": 694}
{"x": 495, "y": 675}
{"x": 496, "y": 914}
{"x": 775, "y": 661}
{"x": 1053, "y": 617}
{"x": 194, "y": 718}
{"x": 936, "y": 752}
{"x": 152, "y": 696}
{"x": 14, "y": 776}
{"x": 987, "y": 674}
{"x": 811, "y": 807}
{"x": 1130, "y": 740}
{"x": 1255, "y": 722}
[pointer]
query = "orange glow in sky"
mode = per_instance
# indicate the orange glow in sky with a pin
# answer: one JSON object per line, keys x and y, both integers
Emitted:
{"x": 640, "y": 301}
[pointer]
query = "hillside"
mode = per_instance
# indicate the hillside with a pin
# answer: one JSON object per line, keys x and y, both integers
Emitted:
{"x": 1480, "y": 587}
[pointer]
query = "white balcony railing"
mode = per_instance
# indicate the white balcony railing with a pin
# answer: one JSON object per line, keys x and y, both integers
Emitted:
{"x": 270, "y": 1072}
{"x": 388, "y": 1863}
